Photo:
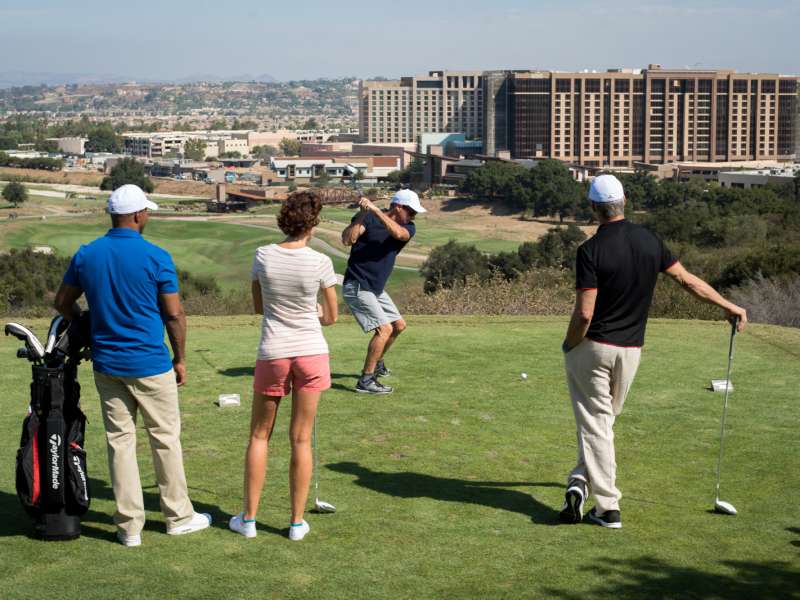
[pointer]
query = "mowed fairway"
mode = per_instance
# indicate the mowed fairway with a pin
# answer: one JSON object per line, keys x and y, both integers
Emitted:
{"x": 450, "y": 487}
{"x": 216, "y": 248}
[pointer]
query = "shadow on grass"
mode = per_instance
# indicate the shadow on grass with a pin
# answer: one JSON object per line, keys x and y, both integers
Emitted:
{"x": 795, "y": 530}
{"x": 656, "y": 579}
{"x": 340, "y": 386}
{"x": 16, "y": 522}
{"x": 485, "y": 493}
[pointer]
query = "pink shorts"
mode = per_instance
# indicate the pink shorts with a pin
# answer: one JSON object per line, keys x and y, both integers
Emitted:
{"x": 278, "y": 376}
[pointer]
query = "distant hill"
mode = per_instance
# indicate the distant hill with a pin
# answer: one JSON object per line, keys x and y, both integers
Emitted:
{"x": 9, "y": 79}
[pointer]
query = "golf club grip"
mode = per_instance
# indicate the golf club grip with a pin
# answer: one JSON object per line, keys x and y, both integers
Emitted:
{"x": 734, "y": 323}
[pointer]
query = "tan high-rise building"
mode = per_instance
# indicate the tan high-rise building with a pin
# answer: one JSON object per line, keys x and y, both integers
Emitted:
{"x": 397, "y": 112}
{"x": 655, "y": 115}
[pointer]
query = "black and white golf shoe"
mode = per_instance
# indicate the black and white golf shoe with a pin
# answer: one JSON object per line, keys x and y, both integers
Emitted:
{"x": 574, "y": 499}
{"x": 609, "y": 519}
{"x": 371, "y": 385}
{"x": 381, "y": 370}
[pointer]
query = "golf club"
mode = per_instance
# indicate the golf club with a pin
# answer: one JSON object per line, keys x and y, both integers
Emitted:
{"x": 320, "y": 506}
{"x": 720, "y": 506}
{"x": 52, "y": 335}
{"x": 32, "y": 343}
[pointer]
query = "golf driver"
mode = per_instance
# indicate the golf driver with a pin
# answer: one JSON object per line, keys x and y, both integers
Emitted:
{"x": 320, "y": 506}
{"x": 32, "y": 343}
{"x": 720, "y": 506}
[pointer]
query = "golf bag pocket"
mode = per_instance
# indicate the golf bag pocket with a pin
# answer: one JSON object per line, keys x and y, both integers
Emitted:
{"x": 28, "y": 481}
{"x": 77, "y": 493}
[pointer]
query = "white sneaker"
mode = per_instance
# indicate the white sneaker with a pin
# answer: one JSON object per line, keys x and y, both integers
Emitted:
{"x": 129, "y": 540}
{"x": 298, "y": 532}
{"x": 238, "y": 524}
{"x": 199, "y": 521}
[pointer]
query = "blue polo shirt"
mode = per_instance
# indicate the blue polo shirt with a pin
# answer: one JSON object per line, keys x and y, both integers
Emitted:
{"x": 122, "y": 276}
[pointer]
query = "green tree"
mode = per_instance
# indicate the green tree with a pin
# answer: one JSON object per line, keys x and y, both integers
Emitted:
{"x": 552, "y": 190}
{"x": 290, "y": 147}
{"x": 231, "y": 154}
{"x": 453, "y": 263}
{"x": 641, "y": 188}
{"x": 246, "y": 124}
{"x": 15, "y": 192}
{"x": 496, "y": 180}
{"x": 103, "y": 138}
{"x": 264, "y": 152}
{"x": 218, "y": 124}
{"x": 310, "y": 124}
{"x": 195, "y": 149}
{"x": 128, "y": 170}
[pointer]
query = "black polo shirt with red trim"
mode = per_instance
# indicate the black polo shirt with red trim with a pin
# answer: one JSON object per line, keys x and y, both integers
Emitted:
{"x": 622, "y": 262}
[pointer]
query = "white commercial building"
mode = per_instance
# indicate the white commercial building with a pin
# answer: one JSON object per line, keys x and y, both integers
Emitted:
{"x": 759, "y": 177}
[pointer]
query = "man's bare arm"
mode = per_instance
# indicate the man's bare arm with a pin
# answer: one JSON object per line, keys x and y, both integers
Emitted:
{"x": 175, "y": 321}
{"x": 581, "y": 317}
{"x": 396, "y": 230}
{"x": 353, "y": 231}
{"x": 66, "y": 301}
{"x": 702, "y": 290}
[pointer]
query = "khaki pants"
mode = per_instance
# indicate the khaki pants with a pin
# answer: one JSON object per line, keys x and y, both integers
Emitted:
{"x": 599, "y": 377}
{"x": 157, "y": 399}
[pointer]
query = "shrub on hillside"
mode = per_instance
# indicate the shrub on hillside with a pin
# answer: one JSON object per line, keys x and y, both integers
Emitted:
{"x": 453, "y": 263}
{"x": 29, "y": 280}
{"x": 535, "y": 292}
{"x": 775, "y": 301}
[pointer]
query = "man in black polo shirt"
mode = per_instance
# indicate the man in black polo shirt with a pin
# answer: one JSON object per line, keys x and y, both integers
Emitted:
{"x": 376, "y": 239}
{"x": 616, "y": 273}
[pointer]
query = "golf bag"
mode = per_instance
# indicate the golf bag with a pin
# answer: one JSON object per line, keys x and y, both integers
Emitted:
{"x": 51, "y": 477}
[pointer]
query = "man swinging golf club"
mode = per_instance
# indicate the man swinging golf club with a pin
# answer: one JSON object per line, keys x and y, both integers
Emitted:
{"x": 616, "y": 273}
{"x": 376, "y": 239}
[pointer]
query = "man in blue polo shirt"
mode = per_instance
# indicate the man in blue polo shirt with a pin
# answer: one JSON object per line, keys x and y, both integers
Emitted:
{"x": 131, "y": 288}
{"x": 377, "y": 238}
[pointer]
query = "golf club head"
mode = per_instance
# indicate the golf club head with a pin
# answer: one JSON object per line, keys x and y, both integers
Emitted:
{"x": 52, "y": 334}
{"x": 724, "y": 508}
{"x": 320, "y": 506}
{"x": 32, "y": 343}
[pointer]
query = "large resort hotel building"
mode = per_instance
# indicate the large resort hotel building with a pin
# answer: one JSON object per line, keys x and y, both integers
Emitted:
{"x": 614, "y": 118}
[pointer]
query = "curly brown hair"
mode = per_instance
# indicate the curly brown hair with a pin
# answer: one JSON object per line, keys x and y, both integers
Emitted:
{"x": 300, "y": 213}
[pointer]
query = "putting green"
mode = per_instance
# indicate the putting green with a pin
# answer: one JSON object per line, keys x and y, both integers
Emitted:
{"x": 450, "y": 487}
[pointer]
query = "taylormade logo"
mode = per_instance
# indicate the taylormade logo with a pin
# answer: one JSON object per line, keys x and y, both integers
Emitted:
{"x": 55, "y": 470}
{"x": 77, "y": 463}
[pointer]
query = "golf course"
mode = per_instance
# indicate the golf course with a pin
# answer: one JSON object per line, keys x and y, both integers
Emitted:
{"x": 451, "y": 486}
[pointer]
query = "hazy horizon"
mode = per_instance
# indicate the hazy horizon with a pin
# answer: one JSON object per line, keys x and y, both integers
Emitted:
{"x": 183, "y": 40}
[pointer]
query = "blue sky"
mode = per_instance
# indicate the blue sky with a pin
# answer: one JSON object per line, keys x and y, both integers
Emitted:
{"x": 312, "y": 38}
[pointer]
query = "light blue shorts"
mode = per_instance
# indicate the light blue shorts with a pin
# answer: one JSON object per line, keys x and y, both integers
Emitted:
{"x": 370, "y": 311}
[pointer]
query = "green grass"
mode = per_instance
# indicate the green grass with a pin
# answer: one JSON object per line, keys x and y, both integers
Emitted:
{"x": 223, "y": 250}
{"x": 450, "y": 487}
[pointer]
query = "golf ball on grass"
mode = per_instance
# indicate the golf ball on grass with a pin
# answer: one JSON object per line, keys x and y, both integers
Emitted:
{"x": 523, "y": 376}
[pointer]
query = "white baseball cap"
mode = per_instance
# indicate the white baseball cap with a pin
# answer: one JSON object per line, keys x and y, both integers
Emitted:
{"x": 606, "y": 188}
{"x": 408, "y": 198}
{"x": 128, "y": 199}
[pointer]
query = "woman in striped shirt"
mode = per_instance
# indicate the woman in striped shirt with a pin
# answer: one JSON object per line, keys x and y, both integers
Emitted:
{"x": 292, "y": 355}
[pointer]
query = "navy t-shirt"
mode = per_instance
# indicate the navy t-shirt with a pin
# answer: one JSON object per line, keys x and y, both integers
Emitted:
{"x": 622, "y": 262}
{"x": 372, "y": 256}
{"x": 122, "y": 276}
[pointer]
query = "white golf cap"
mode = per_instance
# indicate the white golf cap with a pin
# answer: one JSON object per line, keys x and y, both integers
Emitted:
{"x": 408, "y": 198}
{"x": 128, "y": 199}
{"x": 605, "y": 188}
